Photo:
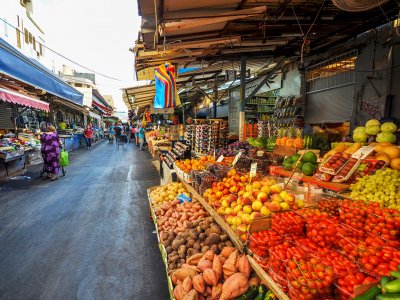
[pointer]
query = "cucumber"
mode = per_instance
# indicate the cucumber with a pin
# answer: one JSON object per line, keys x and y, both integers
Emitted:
{"x": 252, "y": 291}
{"x": 395, "y": 274}
{"x": 388, "y": 297}
{"x": 384, "y": 280}
{"x": 392, "y": 287}
{"x": 370, "y": 294}
{"x": 262, "y": 291}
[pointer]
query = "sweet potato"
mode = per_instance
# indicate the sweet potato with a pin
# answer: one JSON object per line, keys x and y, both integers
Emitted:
{"x": 209, "y": 255}
{"x": 192, "y": 295}
{"x": 234, "y": 286}
{"x": 178, "y": 292}
{"x": 217, "y": 266}
{"x": 199, "y": 284}
{"x": 227, "y": 251}
{"x": 194, "y": 259}
{"x": 254, "y": 281}
{"x": 186, "y": 266}
{"x": 244, "y": 266}
{"x": 208, "y": 291}
{"x": 210, "y": 277}
{"x": 204, "y": 264}
{"x": 229, "y": 267}
{"x": 174, "y": 279}
{"x": 187, "y": 285}
{"x": 216, "y": 291}
{"x": 182, "y": 273}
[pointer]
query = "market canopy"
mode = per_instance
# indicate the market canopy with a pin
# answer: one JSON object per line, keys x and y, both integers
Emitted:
{"x": 20, "y": 67}
{"x": 24, "y": 100}
{"x": 194, "y": 33}
{"x": 139, "y": 96}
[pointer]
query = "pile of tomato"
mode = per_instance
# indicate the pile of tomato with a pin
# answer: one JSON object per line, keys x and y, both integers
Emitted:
{"x": 322, "y": 231}
{"x": 384, "y": 222}
{"x": 288, "y": 223}
{"x": 345, "y": 285}
{"x": 261, "y": 241}
{"x": 352, "y": 213}
{"x": 309, "y": 278}
{"x": 329, "y": 205}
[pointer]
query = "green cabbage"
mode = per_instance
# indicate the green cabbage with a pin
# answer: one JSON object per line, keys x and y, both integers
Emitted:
{"x": 372, "y": 122}
{"x": 359, "y": 129}
{"x": 360, "y": 137}
{"x": 389, "y": 127}
{"x": 373, "y": 130}
{"x": 386, "y": 137}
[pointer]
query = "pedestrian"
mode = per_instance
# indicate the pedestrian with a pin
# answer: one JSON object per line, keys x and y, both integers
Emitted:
{"x": 137, "y": 135}
{"x": 88, "y": 134}
{"x": 133, "y": 134}
{"x": 43, "y": 126}
{"x": 50, "y": 152}
{"x": 141, "y": 137}
{"x": 112, "y": 133}
{"x": 128, "y": 132}
{"x": 118, "y": 132}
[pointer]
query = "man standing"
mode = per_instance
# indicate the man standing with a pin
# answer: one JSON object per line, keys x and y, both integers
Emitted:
{"x": 141, "y": 137}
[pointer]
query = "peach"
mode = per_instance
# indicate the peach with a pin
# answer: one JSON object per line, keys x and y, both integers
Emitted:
{"x": 228, "y": 210}
{"x": 290, "y": 199}
{"x": 276, "y": 198}
{"x": 237, "y": 220}
{"x": 262, "y": 197}
{"x": 247, "y": 201}
{"x": 265, "y": 211}
{"x": 265, "y": 189}
{"x": 246, "y": 218}
{"x": 275, "y": 189}
{"x": 225, "y": 203}
{"x": 284, "y": 205}
{"x": 255, "y": 215}
{"x": 232, "y": 198}
{"x": 242, "y": 229}
{"x": 229, "y": 220}
{"x": 218, "y": 194}
{"x": 221, "y": 210}
{"x": 256, "y": 185}
{"x": 246, "y": 195}
{"x": 233, "y": 204}
{"x": 256, "y": 205}
{"x": 240, "y": 213}
{"x": 249, "y": 188}
{"x": 283, "y": 194}
{"x": 240, "y": 193}
{"x": 237, "y": 208}
{"x": 255, "y": 193}
{"x": 247, "y": 209}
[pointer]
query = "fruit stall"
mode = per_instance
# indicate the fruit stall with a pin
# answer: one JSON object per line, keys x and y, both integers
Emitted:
{"x": 320, "y": 223}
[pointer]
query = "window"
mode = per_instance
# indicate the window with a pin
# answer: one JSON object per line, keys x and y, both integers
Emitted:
{"x": 41, "y": 49}
{"x": 30, "y": 38}
{"x": 26, "y": 36}
{"x": 18, "y": 21}
{"x": 78, "y": 84}
{"x": 332, "y": 73}
{"x": 18, "y": 38}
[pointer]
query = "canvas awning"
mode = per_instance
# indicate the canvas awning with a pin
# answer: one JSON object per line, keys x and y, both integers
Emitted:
{"x": 24, "y": 100}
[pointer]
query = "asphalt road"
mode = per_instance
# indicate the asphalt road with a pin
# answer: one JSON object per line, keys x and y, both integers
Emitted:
{"x": 84, "y": 236}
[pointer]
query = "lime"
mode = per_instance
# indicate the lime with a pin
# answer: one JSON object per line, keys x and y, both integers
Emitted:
{"x": 310, "y": 157}
{"x": 308, "y": 169}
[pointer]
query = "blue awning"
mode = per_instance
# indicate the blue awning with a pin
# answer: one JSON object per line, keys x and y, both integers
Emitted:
{"x": 20, "y": 67}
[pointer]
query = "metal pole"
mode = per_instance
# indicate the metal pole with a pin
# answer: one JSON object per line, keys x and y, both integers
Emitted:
{"x": 215, "y": 97}
{"x": 242, "y": 96}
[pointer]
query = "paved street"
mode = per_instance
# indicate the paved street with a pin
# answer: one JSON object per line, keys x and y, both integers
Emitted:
{"x": 85, "y": 236}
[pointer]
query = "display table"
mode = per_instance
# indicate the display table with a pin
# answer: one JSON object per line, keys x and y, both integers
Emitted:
{"x": 333, "y": 186}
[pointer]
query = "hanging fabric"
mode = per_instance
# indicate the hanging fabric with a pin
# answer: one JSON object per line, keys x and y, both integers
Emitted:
{"x": 166, "y": 92}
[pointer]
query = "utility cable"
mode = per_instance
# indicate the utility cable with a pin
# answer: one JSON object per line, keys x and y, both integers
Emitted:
{"x": 70, "y": 60}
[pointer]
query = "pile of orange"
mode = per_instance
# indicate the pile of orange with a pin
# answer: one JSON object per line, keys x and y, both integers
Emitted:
{"x": 200, "y": 164}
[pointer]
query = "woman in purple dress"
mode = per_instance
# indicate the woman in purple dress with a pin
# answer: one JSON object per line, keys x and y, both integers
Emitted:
{"x": 50, "y": 152}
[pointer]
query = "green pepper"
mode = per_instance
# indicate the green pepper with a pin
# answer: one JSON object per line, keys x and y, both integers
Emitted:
{"x": 392, "y": 287}
{"x": 251, "y": 292}
{"x": 370, "y": 294}
{"x": 384, "y": 280}
{"x": 395, "y": 274}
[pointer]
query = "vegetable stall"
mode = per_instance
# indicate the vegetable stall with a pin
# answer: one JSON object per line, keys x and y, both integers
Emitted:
{"x": 317, "y": 224}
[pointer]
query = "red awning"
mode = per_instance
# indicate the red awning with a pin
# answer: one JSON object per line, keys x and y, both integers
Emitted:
{"x": 100, "y": 106}
{"x": 17, "y": 98}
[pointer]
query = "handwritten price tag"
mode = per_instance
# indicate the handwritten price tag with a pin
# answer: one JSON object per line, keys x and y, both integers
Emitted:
{"x": 236, "y": 158}
{"x": 363, "y": 152}
{"x": 253, "y": 170}
{"x": 220, "y": 159}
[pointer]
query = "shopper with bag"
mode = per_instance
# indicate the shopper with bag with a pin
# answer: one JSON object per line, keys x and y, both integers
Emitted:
{"x": 141, "y": 137}
{"x": 88, "y": 134}
{"x": 50, "y": 152}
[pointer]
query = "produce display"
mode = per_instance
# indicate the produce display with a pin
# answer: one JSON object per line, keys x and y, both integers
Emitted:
{"x": 188, "y": 165}
{"x": 373, "y": 130}
{"x": 307, "y": 163}
{"x": 167, "y": 193}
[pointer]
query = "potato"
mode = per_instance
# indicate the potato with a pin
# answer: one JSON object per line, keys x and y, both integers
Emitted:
{"x": 189, "y": 252}
{"x": 204, "y": 249}
{"x": 190, "y": 243}
{"x": 182, "y": 255}
{"x": 215, "y": 248}
{"x": 168, "y": 250}
{"x": 197, "y": 246}
{"x": 228, "y": 243}
{"x": 224, "y": 237}
{"x": 182, "y": 249}
{"x": 212, "y": 239}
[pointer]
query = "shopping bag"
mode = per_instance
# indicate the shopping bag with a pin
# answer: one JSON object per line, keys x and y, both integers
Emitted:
{"x": 64, "y": 158}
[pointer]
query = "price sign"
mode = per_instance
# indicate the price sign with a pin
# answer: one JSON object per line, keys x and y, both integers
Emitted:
{"x": 363, "y": 152}
{"x": 236, "y": 158}
{"x": 220, "y": 159}
{"x": 260, "y": 153}
{"x": 253, "y": 170}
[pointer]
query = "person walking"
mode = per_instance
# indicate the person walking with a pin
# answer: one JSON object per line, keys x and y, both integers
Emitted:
{"x": 50, "y": 152}
{"x": 88, "y": 134}
{"x": 137, "y": 135}
{"x": 141, "y": 137}
{"x": 118, "y": 132}
{"x": 111, "y": 133}
{"x": 133, "y": 134}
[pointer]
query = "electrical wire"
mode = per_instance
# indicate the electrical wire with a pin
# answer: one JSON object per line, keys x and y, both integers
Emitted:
{"x": 68, "y": 59}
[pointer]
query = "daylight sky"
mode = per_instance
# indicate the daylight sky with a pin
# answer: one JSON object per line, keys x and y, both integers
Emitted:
{"x": 96, "y": 34}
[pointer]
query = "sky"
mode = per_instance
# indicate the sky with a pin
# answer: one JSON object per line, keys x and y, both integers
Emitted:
{"x": 95, "y": 33}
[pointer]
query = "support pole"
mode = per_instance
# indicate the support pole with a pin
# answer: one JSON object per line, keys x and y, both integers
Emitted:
{"x": 215, "y": 97}
{"x": 242, "y": 96}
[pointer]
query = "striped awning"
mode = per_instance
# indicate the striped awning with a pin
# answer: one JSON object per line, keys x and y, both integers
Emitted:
{"x": 24, "y": 100}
